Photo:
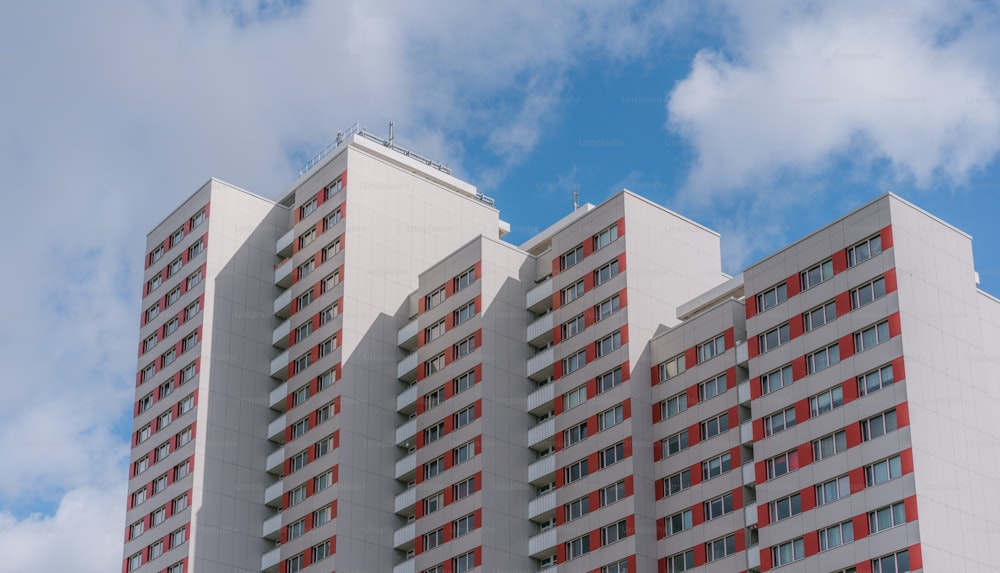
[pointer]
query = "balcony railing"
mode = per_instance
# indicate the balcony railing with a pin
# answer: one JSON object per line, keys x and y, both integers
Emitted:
{"x": 539, "y": 297}
{"x": 279, "y": 366}
{"x": 540, "y": 400}
{"x": 406, "y": 432}
{"x": 404, "y": 535}
{"x": 276, "y": 430}
{"x": 407, "y": 336}
{"x": 542, "y": 504}
{"x": 541, "y": 432}
{"x": 406, "y": 465}
{"x": 272, "y": 495}
{"x": 405, "y": 500}
{"x": 276, "y": 460}
{"x": 539, "y": 363}
{"x": 540, "y": 332}
{"x": 542, "y": 542}
{"x": 407, "y": 366}
{"x": 542, "y": 468}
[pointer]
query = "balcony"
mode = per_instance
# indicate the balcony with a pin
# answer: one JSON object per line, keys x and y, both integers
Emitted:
{"x": 276, "y": 430}
{"x": 272, "y": 528}
{"x": 280, "y": 336}
{"x": 541, "y": 471}
{"x": 406, "y": 402}
{"x": 283, "y": 274}
{"x": 743, "y": 392}
{"x": 283, "y": 246}
{"x": 406, "y": 370}
{"x": 540, "y": 331}
{"x": 406, "y": 433}
{"x": 749, "y": 477}
{"x": 269, "y": 561}
{"x": 406, "y": 468}
{"x": 403, "y": 537}
{"x": 279, "y": 366}
{"x": 746, "y": 432}
{"x": 542, "y": 543}
{"x": 540, "y": 365}
{"x": 540, "y": 401}
{"x": 278, "y": 397}
{"x": 751, "y": 514}
{"x": 283, "y": 304}
{"x": 408, "y": 566}
{"x": 541, "y": 434}
{"x": 407, "y": 336}
{"x": 539, "y": 298}
{"x": 753, "y": 558}
{"x": 540, "y": 507}
{"x": 276, "y": 460}
{"x": 742, "y": 354}
{"x": 272, "y": 495}
{"x": 405, "y": 500}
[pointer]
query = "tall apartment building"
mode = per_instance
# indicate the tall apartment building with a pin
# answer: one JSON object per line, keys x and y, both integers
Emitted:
{"x": 363, "y": 376}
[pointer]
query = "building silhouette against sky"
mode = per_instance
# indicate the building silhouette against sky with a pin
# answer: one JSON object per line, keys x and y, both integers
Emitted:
{"x": 364, "y": 376}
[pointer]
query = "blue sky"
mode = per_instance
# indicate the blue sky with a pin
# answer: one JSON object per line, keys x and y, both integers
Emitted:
{"x": 762, "y": 120}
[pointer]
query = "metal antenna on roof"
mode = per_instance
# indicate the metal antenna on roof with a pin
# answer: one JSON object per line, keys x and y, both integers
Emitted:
{"x": 576, "y": 199}
{"x": 391, "y": 134}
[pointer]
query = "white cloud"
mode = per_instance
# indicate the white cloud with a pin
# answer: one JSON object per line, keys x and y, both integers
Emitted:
{"x": 800, "y": 86}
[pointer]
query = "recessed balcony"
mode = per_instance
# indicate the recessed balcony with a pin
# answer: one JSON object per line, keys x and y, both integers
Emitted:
{"x": 406, "y": 434}
{"x": 540, "y": 401}
{"x": 272, "y": 495}
{"x": 280, "y": 336}
{"x": 283, "y": 273}
{"x": 405, "y": 501}
{"x": 272, "y": 528}
{"x": 543, "y": 507}
{"x": 276, "y": 460}
{"x": 406, "y": 370}
{"x": 539, "y": 298}
{"x": 402, "y": 538}
{"x": 279, "y": 366}
{"x": 542, "y": 543}
{"x": 278, "y": 396}
{"x": 407, "y": 336}
{"x": 283, "y": 304}
{"x": 276, "y": 430}
{"x": 540, "y": 365}
{"x": 283, "y": 246}
{"x": 540, "y": 332}
{"x": 406, "y": 402}
{"x": 406, "y": 468}
{"x": 541, "y": 471}
{"x": 540, "y": 436}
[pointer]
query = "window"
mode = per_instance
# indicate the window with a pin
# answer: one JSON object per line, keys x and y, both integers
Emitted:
{"x": 302, "y": 362}
{"x": 162, "y": 451}
{"x": 577, "y": 508}
{"x": 609, "y": 344}
{"x": 331, "y": 250}
{"x": 141, "y": 465}
{"x": 434, "y": 433}
{"x": 720, "y": 548}
{"x": 673, "y": 406}
{"x": 189, "y": 341}
{"x": 574, "y": 397}
{"x": 136, "y": 529}
{"x": 875, "y": 381}
{"x": 822, "y": 359}
{"x": 306, "y": 268}
{"x": 321, "y": 551}
{"x": 196, "y": 249}
{"x": 878, "y": 426}
{"x": 868, "y": 293}
{"x": 895, "y": 563}
{"x": 827, "y": 401}
{"x": 322, "y": 516}
{"x": 435, "y": 298}
{"x": 831, "y": 491}
{"x": 175, "y": 266}
{"x": 146, "y": 402}
{"x": 716, "y": 466}
{"x": 173, "y": 296}
{"x": 464, "y": 488}
{"x": 782, "y": 464}
{"x": 299, "y": 396}
{"x": 331, "y": 280}
{"x": 198, "y": 219}
{"x": 307, "y": 238}
{"x": 617, "y": 567}
{"x": 434, "y": 331}
{"x": 308, "y": 208}
{"x": 712, "y": 388}
{"x": 297, "y": 495}
{"x": 715, "y": 426}
{"x": 609, "y": 418}
{"x": 168, "y": 357}
{"x": 785, "y": 507}
{"x": 327, "y": 315}
{"x": 779, "y": 421}
{"x": 819, "y": 316}
{"x": 817, "y": 274}
{"x": 612, "y": 455}
{"x": 327, "y": 347}
{"x": 433, "y": 539}
{"x": 176, "y": 568}
{"x": 304, "y": 300}
{"x": 578, "y": 547}
{"x": 829, "y": 445}
{"x": 605, "y": 237}
{"x": 323, "y": 447}
{"x": 676, "y": 483}
{"x": 772, "y": 297}
{"x": 135, "y": 561}
{"x": 465, "y": 417}
{"x": 612, "y": 493}
{"x": 571, "y": 258}
{"x": 464, "y": 525}
{"x": 576, "y": 471}
{"x": 433, "y": 468}
{"x": 192, "y": 310}
{"x": 836, "y": 535}
{"x": 182, "y": 469}
{"x": 156, "y": 254}
{"x": 574, "y": 362}
{"x": 614, "y": 532}
{"x": 298, "y": 461}
{"x": 194, "y": 279}
{"x": 871, "y": 336}
{"x": 886, "y": 517}
{"x": 864, "y": 250}
{"x": 675, "y": 443}
{"x": 572, "y": 292}
{"x": 177, "y": 237}
{"x": 609, "y": 380}
{"x": 180, "y": 503}
{"x": 434, "y": 364}
{"x": 143, "y": 434}
{"x": 465, "y": 347}
{"x": 465, "y": 279}
{"x": 303, "y": 330}
{"x": 573, "y": 327}
{"x": 773, "y": 338}
{"x": 158, "y": 516}
{"x": 433, "y": 503}
{"x": 154, "y": 283}
{"x": 464, "y": 563}
{"x": 332, "y": 219}
{"x": 575, "y": 434}
{"x": 322, "y": 481}
{"x": 776, "y": 380}
{"x": 464, "y": 453}
{"x": 334, "y": 188}
{"x": 152, "y": 312}
{"x": 296, "y": 529}
{"x": 606, "y": 273}
{"x": 464, "y": 382}
{"x": 149, "y": 342}
{"x": 711, "y": 349}
{"x": 719, "y": 506}
{"x": 788, "y": 552}
{"x": 184, "y": 436}
{"x": 681, "y": 562}
{"x": 295, "y": 564}
{"x": 465, "y": 313}
{"x": 189, "y": 372}
{"x": 324, "y": 380}
{"x": 672, "y": 368}
{"x": 607, "y": 308}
